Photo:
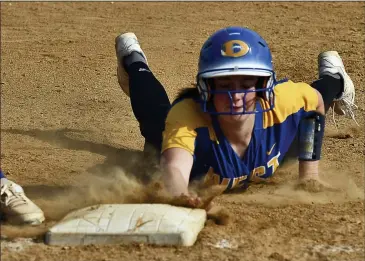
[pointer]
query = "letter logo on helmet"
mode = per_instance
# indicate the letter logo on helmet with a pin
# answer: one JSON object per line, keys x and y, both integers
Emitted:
{"x": 234, "y": 48}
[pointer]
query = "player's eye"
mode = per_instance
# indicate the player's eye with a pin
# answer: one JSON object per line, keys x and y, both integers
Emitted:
{"x": 249, "y": 83}
{"x": 246, "y": 86}
{"x": 223, "y": 86}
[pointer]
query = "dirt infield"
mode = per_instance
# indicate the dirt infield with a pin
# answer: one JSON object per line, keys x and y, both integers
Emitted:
{"x": 66, "y": 124}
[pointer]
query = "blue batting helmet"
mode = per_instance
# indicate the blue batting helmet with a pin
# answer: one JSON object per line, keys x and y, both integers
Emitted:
{"x": 235, "y": 51}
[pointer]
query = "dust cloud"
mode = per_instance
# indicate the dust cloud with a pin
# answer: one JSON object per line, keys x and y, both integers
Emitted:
{"x": 342, "y": 189}
{"x": 349, "y": 132}
{"x": 115, "y": 187}
{"x": 118, "y": 187}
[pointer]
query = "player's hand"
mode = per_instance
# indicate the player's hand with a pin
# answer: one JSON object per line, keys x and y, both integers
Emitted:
{"x": 200, "y": 197}
{"x": 189, "y": 201}
{"x": 315, "y": 184}
{"x": 193, "y": 201}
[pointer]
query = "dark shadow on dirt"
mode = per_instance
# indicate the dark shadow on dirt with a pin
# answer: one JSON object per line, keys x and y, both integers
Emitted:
{"x": 131, "y": 161}
{"x": 51, "y": 192}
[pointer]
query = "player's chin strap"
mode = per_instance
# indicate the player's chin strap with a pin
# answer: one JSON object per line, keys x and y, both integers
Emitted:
{"x": 311, "y": 131}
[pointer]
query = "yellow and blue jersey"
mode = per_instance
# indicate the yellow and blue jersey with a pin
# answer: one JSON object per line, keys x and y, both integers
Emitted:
{"x": 187, "y": 127}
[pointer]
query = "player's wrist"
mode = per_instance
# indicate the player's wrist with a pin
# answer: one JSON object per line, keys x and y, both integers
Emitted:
{"x": 308, "y": 170}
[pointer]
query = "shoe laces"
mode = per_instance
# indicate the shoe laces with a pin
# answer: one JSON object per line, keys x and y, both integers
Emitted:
{"x": 10, "y": 197}
{"x": 127, "y": 44}
{"x": 130, "y": 43}
{"x": 347, "y": 105}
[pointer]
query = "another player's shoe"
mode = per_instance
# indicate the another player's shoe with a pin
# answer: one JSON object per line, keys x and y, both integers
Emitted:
{"x": 331, "y": 62}
{"x": 125, "y": 44}
{"x": 16, "y": 207}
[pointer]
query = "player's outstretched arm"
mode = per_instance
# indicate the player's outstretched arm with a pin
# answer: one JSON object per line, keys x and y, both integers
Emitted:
{"x": 311, "y": 135}
{"x": 311, "y": 142}
{"x": 176, "y": 164}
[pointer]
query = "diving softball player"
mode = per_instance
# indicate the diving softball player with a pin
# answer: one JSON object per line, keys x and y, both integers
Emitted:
{"x": 239, "y": 122}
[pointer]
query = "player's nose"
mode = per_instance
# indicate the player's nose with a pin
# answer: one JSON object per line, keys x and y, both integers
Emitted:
{"x": 237, "y": 98}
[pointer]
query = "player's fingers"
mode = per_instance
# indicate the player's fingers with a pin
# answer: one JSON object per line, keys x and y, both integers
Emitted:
{"x": 194, "y": 202}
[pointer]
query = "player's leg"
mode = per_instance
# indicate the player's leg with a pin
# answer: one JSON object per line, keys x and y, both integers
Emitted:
{"x": 15, "y": 206}
{"x": 149, "y": 100}
{"x": 335, "y": 85}
{"x": 329, "y": 86}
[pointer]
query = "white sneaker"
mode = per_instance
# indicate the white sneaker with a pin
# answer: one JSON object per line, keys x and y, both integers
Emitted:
{"x": 331, "y": 62}
{"x": 16, "y": 207}
{"x": 125, "y": 44}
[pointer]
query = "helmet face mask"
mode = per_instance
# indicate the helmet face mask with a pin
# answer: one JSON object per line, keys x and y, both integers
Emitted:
{"x": 235, "y": 51}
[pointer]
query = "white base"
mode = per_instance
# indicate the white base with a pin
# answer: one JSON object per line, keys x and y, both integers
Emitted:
{"x": 158, "y": 224}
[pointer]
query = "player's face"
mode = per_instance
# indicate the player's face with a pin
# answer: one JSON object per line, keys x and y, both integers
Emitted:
{"x": 240, "y": 100}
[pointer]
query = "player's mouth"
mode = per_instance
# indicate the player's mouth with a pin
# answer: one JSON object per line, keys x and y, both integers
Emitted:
{"x": 237, "y": 108}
